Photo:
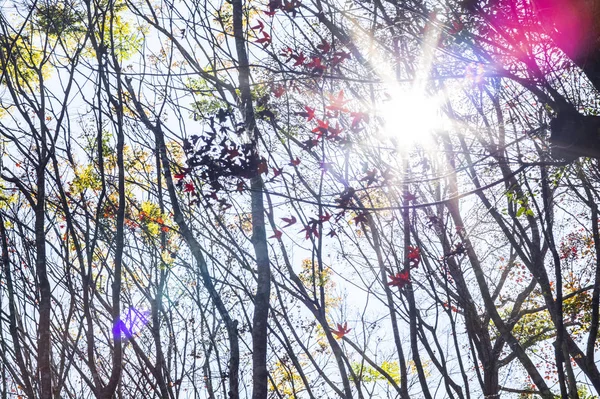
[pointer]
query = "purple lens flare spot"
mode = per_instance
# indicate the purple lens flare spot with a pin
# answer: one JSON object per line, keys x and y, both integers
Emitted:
{"x": 131, "y": 322}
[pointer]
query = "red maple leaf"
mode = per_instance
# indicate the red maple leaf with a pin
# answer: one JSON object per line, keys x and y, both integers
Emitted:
{"x": 291, "y": 7}
{"x": 278, "y": 90}
{"x": 409, "y": 197}
{"x": 341, "y": 330}
{"x": 299, "y": 59}
{"x": 277, "y": 234}
{"x": 337, "y": 103}
{"x": 233, "y": 152}
{"x": 325, "y": 217}
{"x": 361, "y": 218}
{"x": 370, "y": 177}
{"x": 324, "y": 46}
{"x": 212, "y": 195}
{"x": 274, "y": 5}
{"x": 321, "y": 129}
{"x": 260, "y": 26}
{"x": 262, "y": 168}
{"x": 310, "y": 144}
{"x": 414, "y": 256}
{"x": 189, "y": 188}
{"x": 265, "y": 40}
{"x": 332, "y": 233}
{"x": 316, "y": 66}
{"x": 339, "y": 57}
{"x": 310, "y": 229}
{"x": 357, "y": 117}
{"x": 334, "y": 132}
{"x": 295, "y": 162}
{"x": 400, "y": 279}
{"x": 179, "y": 176}
{"x": 287, "y": 52}
{"x": 290, "y": 221}
{"x": 276, "y": 172}
{"x": 309, "y": 114}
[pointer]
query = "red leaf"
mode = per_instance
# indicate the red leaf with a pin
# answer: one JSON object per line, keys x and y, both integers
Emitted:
{"x": 189, "y": 188}
{"x": 361, "y": 218}
{"x": 287, "y": 52}
{"x": 277, "y": 234}
{"x": 291, "y": 6}
{"x": 324, "y": 46}
{"x": 179, "y": 176}
{"x": 341, "y": 330}
{"x": 408, "y": 197}
{"x": 310, "y": 230}
{"x": 457, "y": 26}
{"x": 325, "y": 217}
{"x": 339, "y": 57}
{"x": 321, "y": 129}
{"x": 278, "y": 90}
{"x": 299, "y": 59}
{"x": 290, "y": 221}
{"x": 309, "y": 114}
{"x": 370, "y": 177}
{"x": 260, "y": 26}
{"x": 414, "y": 256}
{"x": 337, "y": 103}
{"x": 334, "y": 132}
{"x": 413, "y": 252}
{"x": 316, "y": 66}
{"x": 295, "y": 162}
{"x": 357, "y": 117}
{"x": 233, "y": 152}
{"x": 262, "y": 168}
{"x": 265, "y": 40}
{"x": 310, "y": 144}
{"x": 400, "y": 279}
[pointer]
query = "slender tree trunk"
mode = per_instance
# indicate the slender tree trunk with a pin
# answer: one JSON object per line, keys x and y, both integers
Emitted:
{"x": 45, "y": 294}
{"x": 259, "y": 236}
{"x": 12, "y": 315}
{"x": 195, "y": 248}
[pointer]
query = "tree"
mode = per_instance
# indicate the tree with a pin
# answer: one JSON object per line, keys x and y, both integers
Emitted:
{"x": 293, "y": 199}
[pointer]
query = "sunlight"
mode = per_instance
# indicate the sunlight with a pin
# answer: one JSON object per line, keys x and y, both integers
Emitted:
{"x": 410, "y": 117}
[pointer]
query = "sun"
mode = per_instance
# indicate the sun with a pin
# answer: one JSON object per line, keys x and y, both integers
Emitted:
{"x": 409, "y": 116}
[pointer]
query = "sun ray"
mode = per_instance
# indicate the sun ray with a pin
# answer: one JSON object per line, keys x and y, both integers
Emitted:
{"x": 408, "y": 113}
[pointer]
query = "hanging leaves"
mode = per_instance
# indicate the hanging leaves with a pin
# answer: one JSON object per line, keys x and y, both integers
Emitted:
{"x": 400, "y": 280}
{"x": 342, "y": 330}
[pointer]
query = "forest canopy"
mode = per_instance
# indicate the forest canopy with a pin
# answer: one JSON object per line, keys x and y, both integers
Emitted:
{"x": 299, "y": 199}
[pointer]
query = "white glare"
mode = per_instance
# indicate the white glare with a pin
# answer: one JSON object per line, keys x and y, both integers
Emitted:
{"x": 410, "y": 117}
